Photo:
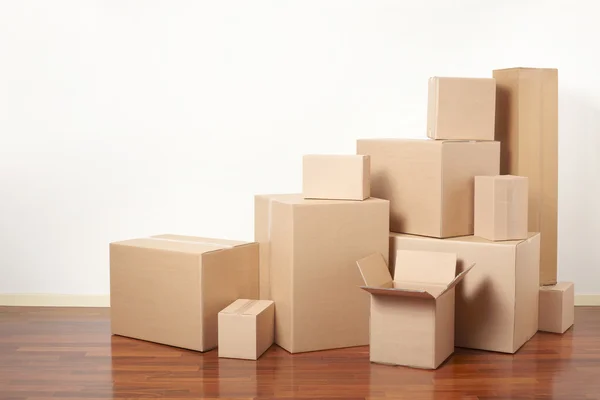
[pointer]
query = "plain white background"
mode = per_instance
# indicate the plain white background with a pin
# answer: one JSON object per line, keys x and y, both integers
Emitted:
{"x": 129, "y": 118}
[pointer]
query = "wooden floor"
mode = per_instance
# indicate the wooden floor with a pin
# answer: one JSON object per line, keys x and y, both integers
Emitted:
{"x": 70, "y": 354}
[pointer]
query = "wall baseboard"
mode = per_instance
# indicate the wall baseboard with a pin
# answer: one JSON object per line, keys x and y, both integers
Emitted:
{"x": 55, "y": 300}
{"x": 103, "y": 300}
{"x": 587, "y": 299}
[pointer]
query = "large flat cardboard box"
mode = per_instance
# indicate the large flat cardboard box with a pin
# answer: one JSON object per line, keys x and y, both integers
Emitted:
{"x": 461, "y": 108}
{"x": 501, "y": 207}
{"x": 497, "y": 302}
{"x": 527, "y": 126}
{"x": 336, "y": 177}
{"x": 430, "y": 183}
{"x": 246, "y": 329}
{"x": 169, "y": 289}
{"x": 309, "y": 250}
{"x": 557, "y": 307}
{"x": 412, "y": 316}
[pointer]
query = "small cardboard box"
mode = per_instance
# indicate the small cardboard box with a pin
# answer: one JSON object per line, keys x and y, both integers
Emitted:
{"x": 336, "y": 177}
{"x": 527, "y": 127}
{"x": 169, "y": 289}
{"x": 430, "y": 183}
{"x": 557, "y": 307}
{"x": 246, "y": 329}
{"x": 461, "y": 108}
{"x": 501, "y": 207}
{"x": 497, "y": 302}
{"x": 308, "y": 259}
{"x": 412, "y": 316}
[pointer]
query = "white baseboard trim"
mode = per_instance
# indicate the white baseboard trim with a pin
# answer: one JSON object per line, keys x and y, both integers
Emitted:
{"x": 587, "y": 299}
{"x": 55, "y": 300}
{"x": 103, "y": 300}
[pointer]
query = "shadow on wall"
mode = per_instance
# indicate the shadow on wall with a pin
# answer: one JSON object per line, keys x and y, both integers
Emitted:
{"x": 579, "y": 189}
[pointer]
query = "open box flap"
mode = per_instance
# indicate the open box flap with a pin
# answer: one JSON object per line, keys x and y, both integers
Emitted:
{"x": 458, "y": 278}
{"x": 398, "y": 292}
{"x": 428, "y": 267}
{"x": 374, "y": 271}
{"x": 434, "y": 290}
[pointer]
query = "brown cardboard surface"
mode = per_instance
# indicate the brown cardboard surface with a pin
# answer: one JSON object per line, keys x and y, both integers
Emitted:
{"x": 557, "y": 307}
{"x": 403, "y": 332}
{"x": 527, "y": 126}
{"x": 501, "y": 207}
{"x": 425, "y": 267}
{"x": 526, "y": 298}
{"x": 168, "y": 289}
{"x": 444, "y": 326}
{"x": 341, "y": 177}
{"x": 412, "y": 323}
{"x": 313, "y": 246}
{"x": 246, "y": 329}
{"x": 461, "y": 108}
{"x": 496, "y": 305}
{"x": 374, "y": 271}
{"x": 423, "y": 274}
{"x": 430, "y": 183}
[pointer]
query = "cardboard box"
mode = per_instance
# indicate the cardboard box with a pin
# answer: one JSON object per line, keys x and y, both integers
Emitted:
{"x": 412, "y": 316}
{"x": 557, "y": 307}
{"x": 501, "y": 207}
{"x": 461, "y": 108}
{"x": 336, "y": 177}
{"x": 309, "y": 250}
{"x": 497, "y": 302}
{"x": 246, "y": 329}
{"x": 527, "y": 126}
{"x": 169, "y": 289}
{"x": 430, "y": 183}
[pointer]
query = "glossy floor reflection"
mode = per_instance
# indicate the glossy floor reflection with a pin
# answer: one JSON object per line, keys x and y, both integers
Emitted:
{"x": 70, "y": 354}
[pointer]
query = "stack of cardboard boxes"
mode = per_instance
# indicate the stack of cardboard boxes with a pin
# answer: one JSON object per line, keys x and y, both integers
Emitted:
{"x": 309, "y": 246}
{"x": 464, "y": 247}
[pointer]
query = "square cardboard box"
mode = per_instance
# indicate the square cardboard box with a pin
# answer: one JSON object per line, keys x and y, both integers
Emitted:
{"x": 308, "y": 259}
{"x": 412, "y": 316}
{"x": 497, "y": 302}
{"x": 336, "y": 177}
{"x": 246, "y": 329}
{"x": 501, "y": 207}
{"x": 429, "y": 183}
{"x": 557, "y": 307}
{"x": 461, "y": 108}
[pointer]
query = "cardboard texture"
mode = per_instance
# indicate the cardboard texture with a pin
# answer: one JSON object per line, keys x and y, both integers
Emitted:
{"x": 246, "y": 329}
{"x": 309, "y": 250}
{"x": 336, "y": 177}
{"x": 430, "y": 183}
{"x": 557, "y": 307}
{"x": 497, "y": 302}
{"x": 501, "y": 207}
{"x": 412, "y": 316}
{"x": 169, "y": 289}
{"x": 461, "y": 108}
{"x": 527, "y": 126}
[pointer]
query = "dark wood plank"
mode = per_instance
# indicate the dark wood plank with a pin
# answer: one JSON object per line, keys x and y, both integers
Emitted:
{"x": 69, "y": 353}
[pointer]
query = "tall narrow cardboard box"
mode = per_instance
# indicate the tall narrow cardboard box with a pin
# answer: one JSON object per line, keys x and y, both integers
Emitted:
{"x": 527, "y": 127}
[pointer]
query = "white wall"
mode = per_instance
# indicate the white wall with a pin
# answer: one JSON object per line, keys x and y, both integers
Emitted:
{"x": 125, "y": 118}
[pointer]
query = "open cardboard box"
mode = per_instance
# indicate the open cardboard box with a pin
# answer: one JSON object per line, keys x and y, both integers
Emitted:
{"x": 412, "y": 315}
